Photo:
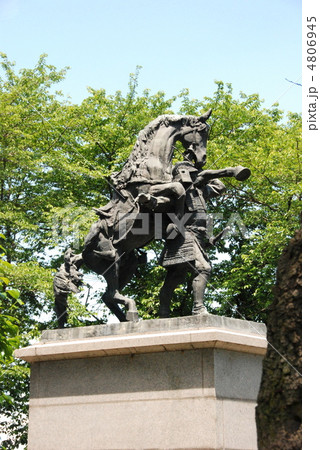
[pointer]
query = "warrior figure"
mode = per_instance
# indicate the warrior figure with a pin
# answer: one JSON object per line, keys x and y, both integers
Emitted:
{"x": 185, "y": 248}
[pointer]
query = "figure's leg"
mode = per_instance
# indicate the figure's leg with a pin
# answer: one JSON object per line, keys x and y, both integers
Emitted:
{"x": 199, "y": 283}
{"x": 60, "y": 307}
{"x": 175, "y": 276}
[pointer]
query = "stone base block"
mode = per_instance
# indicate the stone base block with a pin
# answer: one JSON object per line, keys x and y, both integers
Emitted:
{"x": 192, "y": 384}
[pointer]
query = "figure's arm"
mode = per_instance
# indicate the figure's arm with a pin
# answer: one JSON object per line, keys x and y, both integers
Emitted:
{"x": 207, "y": 175}
{"x": 239, "y": 172}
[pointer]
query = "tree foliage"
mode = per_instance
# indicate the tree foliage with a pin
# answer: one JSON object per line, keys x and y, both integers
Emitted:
{"x": 14, "y": 376}
{"x": 56, "y": 159}
{"x": 9, "y": 302}
{"x": 268, "y": 204}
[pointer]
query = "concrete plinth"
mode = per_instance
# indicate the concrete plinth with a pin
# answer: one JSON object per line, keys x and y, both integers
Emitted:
{"x": 186, "y": 383}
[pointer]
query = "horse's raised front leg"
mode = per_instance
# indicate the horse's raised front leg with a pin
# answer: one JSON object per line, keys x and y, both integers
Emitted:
{"x": 173, "y": 192}
{"x": 161, "y": 197}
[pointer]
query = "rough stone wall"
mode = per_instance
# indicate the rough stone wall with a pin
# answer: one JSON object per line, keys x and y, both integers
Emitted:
{"x": 278, "y": 414}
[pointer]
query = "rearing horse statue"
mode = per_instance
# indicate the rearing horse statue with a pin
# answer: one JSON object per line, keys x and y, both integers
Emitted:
{"x": 144, "y": 185}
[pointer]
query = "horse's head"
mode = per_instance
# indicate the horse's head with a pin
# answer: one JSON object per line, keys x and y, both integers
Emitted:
{"x": 151, "y": 158}
{"x": 194, "y": 139}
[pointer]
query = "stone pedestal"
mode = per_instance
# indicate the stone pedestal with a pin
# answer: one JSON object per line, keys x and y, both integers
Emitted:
{"x": 183, "y": 383}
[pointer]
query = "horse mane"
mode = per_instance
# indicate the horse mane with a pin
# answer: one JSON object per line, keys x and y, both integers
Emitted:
{"x": 167, "y": 120}
{"x": 140, "y": 151}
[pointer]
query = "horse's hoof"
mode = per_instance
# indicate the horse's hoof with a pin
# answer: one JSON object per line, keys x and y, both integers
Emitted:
{"x": 143, "y": 198}
{"x": 132, "y": 316}
{"x": 147, "y": 200}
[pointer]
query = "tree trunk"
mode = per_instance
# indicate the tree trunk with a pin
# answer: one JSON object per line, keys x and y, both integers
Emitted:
{"x": 278, "y": 414}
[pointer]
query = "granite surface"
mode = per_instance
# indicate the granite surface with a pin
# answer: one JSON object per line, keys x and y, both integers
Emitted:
{"x": 156, "y": 326}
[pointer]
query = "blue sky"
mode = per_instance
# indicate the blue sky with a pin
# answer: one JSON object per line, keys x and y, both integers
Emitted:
{"x": 253, "y": 44}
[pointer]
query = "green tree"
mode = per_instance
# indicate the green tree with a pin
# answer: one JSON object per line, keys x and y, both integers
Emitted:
{"x": 14, "y": 377}
{"x": 9, "y": 329}
{"x": 55, "y": 162}
{"x": 268, "y": 204}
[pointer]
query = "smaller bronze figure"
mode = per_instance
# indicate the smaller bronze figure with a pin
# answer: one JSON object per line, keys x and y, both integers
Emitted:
{"x": 66, "y": 280}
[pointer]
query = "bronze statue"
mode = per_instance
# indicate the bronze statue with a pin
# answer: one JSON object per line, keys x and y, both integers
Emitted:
{"x": 145, "y": 187}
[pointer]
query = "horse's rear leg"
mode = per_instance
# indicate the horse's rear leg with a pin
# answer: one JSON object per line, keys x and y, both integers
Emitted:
{"x": 132, "y": 312}
{"x": 114, "y": 307}
{"x": 112, "y": 297}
